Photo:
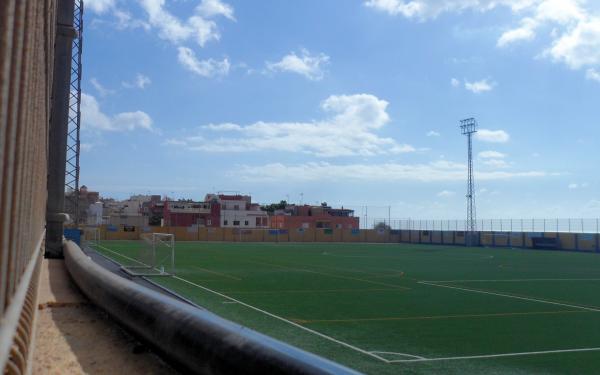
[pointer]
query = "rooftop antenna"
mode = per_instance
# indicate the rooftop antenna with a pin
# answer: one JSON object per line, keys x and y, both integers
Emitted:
{"x": 468, "y": 127}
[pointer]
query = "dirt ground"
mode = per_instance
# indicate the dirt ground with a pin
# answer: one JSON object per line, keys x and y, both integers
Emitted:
{"x": 75, "y": 337}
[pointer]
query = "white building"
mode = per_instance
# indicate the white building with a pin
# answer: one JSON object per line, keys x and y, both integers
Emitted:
{"x": 238, "y": 211}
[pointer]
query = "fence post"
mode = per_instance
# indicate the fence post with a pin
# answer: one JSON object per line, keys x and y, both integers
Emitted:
{"x": 522, "y": 225}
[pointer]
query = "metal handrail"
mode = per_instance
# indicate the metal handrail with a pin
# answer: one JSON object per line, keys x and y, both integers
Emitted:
{"x": 195, "y": 340}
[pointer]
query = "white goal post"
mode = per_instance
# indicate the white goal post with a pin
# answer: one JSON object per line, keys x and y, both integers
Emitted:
{"x": 91, "y": 235}
{"x": 156, "y": 256}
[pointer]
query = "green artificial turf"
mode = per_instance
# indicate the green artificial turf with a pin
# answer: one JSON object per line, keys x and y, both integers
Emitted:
{"x": 418, "y": 300}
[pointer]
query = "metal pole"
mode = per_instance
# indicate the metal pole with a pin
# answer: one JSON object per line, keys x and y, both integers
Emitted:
{"x": 390, "y": 216}
{"x": 57, "y": 135}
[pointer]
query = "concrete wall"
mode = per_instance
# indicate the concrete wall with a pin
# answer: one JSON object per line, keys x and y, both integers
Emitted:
{"x": 567, "y": 241}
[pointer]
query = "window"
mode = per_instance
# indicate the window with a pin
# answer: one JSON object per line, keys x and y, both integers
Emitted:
{"x": 236, "y": 207}
{"x": 236, "y": 222}
{"x": 246, "y": 223}
{"x": 208, "y": 222}
{"x": 258, "y": 221}
{"x": 224, "y": 222}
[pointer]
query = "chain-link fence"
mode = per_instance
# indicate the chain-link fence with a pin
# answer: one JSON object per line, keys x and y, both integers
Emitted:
{"x": 492, "y": 225}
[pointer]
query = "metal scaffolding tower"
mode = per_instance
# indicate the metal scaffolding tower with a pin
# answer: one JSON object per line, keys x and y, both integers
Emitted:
{"x": 74, "y": 121}
{"x": 468, "y": 127}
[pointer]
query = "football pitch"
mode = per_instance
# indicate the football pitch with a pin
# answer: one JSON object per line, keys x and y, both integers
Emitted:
{"x": 401, "y": 308}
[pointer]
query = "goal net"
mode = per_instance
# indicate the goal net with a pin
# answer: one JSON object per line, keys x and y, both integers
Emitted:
{"x": 91, "y": 236}
{"x": 155, "y": 256}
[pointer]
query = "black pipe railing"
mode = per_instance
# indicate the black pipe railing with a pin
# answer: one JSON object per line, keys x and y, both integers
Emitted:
{"x": 195, "y": 340}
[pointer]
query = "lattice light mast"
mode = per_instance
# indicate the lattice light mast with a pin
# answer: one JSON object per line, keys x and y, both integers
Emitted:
{"x": 468, "y": 127}
{"x": 74, "y": 121}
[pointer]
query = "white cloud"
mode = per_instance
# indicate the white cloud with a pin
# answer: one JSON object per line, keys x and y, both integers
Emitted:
{"x": 479, "y": 86}
{"x": 310, "y": 66}
{"x": 491, "y": 155}
{"x": 92, "y": 118}
{"x": 102, "y": 91}
{"x": 388, "y": 172}
{"x": 574, "y": 40}
{"x": 349, "y": 129}
{"x": 523, "y": 33}
{"x": 496, "y": 163}
{"x": 212, "y": 8}
{"x": 446, "y": 194}
{"x": 99, "y": 6}
{"x": 86, "y": 147}
{"x": 493, "y": 136}
{"x": 124, "y": 20}
{"x": 205, "y": 68}
{"x": 433, "y": 133}
{"x": 592, "y": 74}
{"x": 574, "y": 186}
{"x": 425, "y": 9}
{"x": 580, "y": 46}
{"x": 455, "y": 82}
{"x": 140, "y": 82}
{"x": 199, "y": 27}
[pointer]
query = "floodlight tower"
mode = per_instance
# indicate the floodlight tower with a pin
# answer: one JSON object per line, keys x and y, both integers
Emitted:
{"x": 74, "y": 119}
{"x": 468, "y": 127}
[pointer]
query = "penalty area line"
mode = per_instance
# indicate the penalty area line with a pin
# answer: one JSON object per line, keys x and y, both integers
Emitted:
{"x": 484, "y": 356}
{"x": 329, "y": 338}
{"x": 511, "y": 296}
{"x": 503, "y": 280}
{"x": 399, "y": 354}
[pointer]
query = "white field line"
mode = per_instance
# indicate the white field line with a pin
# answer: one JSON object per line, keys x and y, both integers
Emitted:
{"x": 511, "y": 296}
{"x": 495, "y": 355}
{"x": 123, "y": 256}
{"x": 233, "y": 300}
{"x": 399, "y": 354}
{"x": 286, "y": 321}
{"x": 504, "y": 280}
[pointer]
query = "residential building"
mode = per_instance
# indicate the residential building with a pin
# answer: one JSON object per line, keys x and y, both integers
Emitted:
{"x": 308, "y": 217}
{"x": 238, "y": 211}
{"x": 188, "y": 213}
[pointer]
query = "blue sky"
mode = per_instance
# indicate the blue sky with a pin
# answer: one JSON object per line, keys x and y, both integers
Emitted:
{"x": 353, "y": 102}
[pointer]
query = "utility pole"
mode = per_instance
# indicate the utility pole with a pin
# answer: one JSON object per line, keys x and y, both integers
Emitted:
{"x": 468, "y": 127}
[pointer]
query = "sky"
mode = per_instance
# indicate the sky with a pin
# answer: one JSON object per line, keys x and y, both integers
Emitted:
{"x": 349, "y": 102}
